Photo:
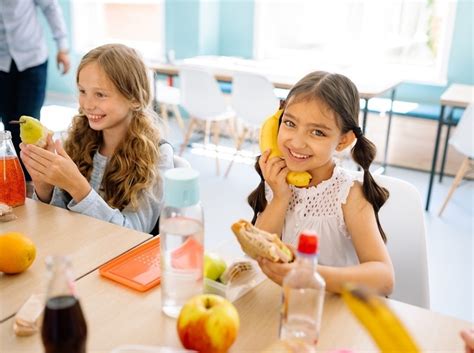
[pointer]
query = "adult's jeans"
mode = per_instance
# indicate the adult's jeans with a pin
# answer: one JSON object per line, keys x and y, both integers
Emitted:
{"x": 21, "y": 93}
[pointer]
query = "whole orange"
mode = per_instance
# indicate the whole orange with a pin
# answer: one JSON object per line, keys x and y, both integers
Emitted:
{"x": 17, "y": 252}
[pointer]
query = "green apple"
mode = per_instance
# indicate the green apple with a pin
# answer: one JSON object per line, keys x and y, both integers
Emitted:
{"x": 214, "y": 266}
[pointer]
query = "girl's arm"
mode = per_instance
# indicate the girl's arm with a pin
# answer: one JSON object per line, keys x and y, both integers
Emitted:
{"x": 145, "y": 216}
{"x": 375, "y": 269}
{"x": 274, "y": 171}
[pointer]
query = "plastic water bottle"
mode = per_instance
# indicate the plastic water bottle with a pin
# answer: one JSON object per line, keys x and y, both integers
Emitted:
{"x": 303, "y": 294}
{"x": 182, "y": 236}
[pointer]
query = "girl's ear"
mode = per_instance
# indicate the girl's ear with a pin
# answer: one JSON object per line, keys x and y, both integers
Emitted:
{"x": 134, "y": 105}
{"x": 345, "y": 141}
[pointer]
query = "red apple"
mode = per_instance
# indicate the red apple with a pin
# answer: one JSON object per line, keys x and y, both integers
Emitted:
{"x": 208, "y": 323}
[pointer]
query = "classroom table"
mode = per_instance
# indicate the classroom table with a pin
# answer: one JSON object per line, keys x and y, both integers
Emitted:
{"x": 117, "y": 315}
{"x": 284, "y": 76}
{"x": 456, "y": 96}
{"x": 88, "y": 242}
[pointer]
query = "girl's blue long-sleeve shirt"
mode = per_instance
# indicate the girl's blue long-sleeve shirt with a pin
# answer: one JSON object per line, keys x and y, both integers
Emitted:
{"x": 150, "y": 204}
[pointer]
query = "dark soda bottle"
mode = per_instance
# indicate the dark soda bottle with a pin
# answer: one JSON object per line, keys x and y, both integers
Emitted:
{"x": 64, "y": 328}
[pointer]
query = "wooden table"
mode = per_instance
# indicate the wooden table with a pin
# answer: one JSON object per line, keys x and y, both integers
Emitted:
{"x": 456, "y": 96}
{"x": 117, "y": 315}
{"x": 88, "y": 241}
{"x": 281, "y": 75}
{"x": 284, "y": 76}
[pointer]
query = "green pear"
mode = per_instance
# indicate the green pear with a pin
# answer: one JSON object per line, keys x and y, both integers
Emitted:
{"x": 32, "y": 131}
{"x": 214, "y": 266}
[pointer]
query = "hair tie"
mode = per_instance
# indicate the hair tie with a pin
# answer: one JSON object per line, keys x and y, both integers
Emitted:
{"x": 357, "y": 131}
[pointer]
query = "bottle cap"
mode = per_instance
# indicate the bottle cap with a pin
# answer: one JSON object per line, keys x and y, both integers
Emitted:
{"x": 308, "y": 242}
{"x": 5, "y": 135}
{"x": 181, "y": 187}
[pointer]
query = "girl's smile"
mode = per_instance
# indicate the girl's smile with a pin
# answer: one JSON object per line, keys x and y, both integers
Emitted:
{"x": 297, "y": 157}
{"x": 95, "y": 118}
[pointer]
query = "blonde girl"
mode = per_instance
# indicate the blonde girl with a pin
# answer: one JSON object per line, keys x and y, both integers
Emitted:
{"x": 111, "y": 164}
{"x": 320, "y": 118}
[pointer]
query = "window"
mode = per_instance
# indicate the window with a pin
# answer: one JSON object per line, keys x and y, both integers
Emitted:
{"x": 408, "y": 37}
{"x": 138, "y": 24}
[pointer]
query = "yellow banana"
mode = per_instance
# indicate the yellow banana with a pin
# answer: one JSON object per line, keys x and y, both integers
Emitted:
{"x": 268, "y": 139}
{"x": 383, "y": 325}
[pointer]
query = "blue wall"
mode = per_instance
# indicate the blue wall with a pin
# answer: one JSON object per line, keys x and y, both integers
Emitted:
{"x": 64, "y": 84}
{"x": 225, "y": 27}
{"x": 236, "y": 28}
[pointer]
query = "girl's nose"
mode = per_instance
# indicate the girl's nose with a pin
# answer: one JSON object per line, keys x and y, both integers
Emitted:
{"x": 298, "y": 141}
{"x": 88, "y": 103}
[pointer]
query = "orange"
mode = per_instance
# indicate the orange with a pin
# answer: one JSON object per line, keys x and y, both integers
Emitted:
{"x": 17, "y": 252}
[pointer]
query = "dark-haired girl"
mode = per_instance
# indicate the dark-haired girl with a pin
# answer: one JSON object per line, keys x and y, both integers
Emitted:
{"x": 320, "y": 118}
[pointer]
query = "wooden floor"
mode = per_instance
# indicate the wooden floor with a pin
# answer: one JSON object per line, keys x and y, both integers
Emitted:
{"x": 411, "y": 142}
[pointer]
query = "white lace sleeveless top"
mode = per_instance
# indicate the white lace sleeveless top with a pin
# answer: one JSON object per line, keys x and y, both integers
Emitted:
{"x": 319, "y": 208}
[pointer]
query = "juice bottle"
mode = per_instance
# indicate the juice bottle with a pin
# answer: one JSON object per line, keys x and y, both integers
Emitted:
{"x": 12, "y": 179}
{"x": 64, "y": 328}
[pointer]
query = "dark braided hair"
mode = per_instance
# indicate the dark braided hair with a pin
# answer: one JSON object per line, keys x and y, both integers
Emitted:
{"x": 341, "y": 96}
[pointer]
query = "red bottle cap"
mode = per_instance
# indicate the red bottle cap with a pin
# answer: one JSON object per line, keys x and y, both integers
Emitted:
{"x": 308, "y": 242}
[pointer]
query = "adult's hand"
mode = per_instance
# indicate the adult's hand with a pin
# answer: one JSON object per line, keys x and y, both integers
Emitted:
{"x": 62, "y": 60}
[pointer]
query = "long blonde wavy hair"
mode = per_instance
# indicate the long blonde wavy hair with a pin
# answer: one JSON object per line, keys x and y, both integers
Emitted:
{"x": 132, "y": 167}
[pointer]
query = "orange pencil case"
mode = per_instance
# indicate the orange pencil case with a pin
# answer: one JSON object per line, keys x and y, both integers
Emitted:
{"x": 138, "y": 268}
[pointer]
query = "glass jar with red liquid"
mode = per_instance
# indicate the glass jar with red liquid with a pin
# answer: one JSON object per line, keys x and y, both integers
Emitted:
{"x": 64, "y": 328}
{"x": 12, "y": 179}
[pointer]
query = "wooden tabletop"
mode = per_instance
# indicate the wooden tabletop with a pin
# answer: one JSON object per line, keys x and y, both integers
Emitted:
{"x": 117, "y": 315}
{"x": 55, "y": 231}
{"x": 458, "y": 95}
{"x": 281, "y": 75}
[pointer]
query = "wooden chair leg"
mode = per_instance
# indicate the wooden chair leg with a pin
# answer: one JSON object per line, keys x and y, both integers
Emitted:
{"x": 164, "y": 115}
{"x": 238, "y": 146}
{"x": 207, "y": 132}
{"x": 178, "y": 116}
{"x": 232, "y": 129}
{"x": 215, "y": 139}
{"x": 187, "y": 136}
{"x": 457, "y": 180}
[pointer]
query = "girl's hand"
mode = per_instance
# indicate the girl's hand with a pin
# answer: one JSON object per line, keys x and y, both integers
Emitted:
{"x": 274, "y": 172}
{"x": 43, "y": 190}
{"x": 276, "y": 271}
{"x": 47, "y": 167}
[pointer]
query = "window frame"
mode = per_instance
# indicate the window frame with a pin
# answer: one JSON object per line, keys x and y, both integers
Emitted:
{"x": 437, "y": 74}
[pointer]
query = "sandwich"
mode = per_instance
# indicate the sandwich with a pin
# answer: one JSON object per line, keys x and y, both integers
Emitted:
{"x": 259, "y": 243}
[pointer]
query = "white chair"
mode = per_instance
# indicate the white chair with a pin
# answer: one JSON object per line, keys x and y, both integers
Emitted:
{"x": 402, "y": 219}
{"x": 204, "y": 101}
{"x": 168, "y": 99}
{"x": 180, "y": 162}
{"x": 253, "y": 100}
{"x": 462, "y": 141}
